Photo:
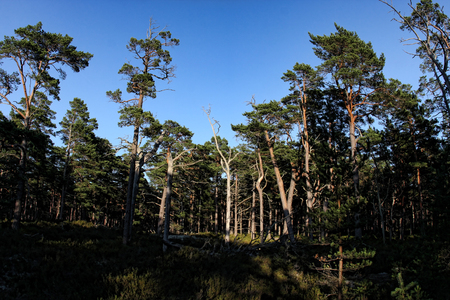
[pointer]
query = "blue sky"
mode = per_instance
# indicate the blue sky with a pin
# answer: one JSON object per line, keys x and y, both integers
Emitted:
{"x": 229, "y": 50}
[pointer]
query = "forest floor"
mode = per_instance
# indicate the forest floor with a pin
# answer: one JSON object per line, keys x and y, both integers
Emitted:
{"x": 80, "y": 261}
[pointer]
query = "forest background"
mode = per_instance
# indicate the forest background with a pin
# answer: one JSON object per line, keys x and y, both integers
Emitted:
{"x": 343, "y": 155}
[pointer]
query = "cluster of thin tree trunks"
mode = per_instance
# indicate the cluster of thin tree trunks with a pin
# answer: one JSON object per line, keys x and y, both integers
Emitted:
{"x": 400, "y": 222}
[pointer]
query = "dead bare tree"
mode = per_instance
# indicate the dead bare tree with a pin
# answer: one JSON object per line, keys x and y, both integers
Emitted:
{"x": 225, "y": 164}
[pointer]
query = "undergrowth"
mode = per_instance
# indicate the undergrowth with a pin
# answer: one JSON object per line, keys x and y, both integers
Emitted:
{"x": 80, "y": 261}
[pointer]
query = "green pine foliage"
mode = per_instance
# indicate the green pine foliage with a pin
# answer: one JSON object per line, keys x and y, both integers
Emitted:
{"x": 358, "y": 165}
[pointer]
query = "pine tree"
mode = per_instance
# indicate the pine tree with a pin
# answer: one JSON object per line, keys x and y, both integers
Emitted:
{"x": 77, "y": 129}
{"x": 430, "y": 29}
{"x": 39, "y": 51}
{"x": 176, "y": 145}
{"x": 303, "y": 80}
{"x": 155, "y": 65}
{"x": 266, "y": 120}
{"x": 356, "y": 72}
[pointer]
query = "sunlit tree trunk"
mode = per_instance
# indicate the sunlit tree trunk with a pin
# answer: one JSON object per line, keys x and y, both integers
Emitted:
{"x": 355, "y": 173}
{"x": 225, "y": 164}
{"x": 260, "y": 195}
{"x": 291, "y": 192}
{"x": 287, "y": 217}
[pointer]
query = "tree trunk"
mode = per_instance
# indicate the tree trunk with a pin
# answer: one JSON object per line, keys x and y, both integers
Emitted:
{"x": 133, "y": 180}
{"x": 305, "y": 142}
{"x": 228, "y": 207}
{"x": 271, "y": 232}
{"x": 161, "y": 211}
{"x": 225, "y": 164}
{"x": 355, "y": 172}
{"x": 241, "y": 221}
{"x": 419, "y": 186}
{"x": 168, "y": 199}
{"x": 309, "y": 194}
{"x": 199, "y": 219}
{"x": 129, "y": 207}
{"x": 290, "y": 196}
{"x": 261, "y": 196}
{"x": 191, "y": 214}
{"x": 64, "y": 188}
{"x": 287, "y": 217}
{"x": 137, "y": 176}
{"x": 64, "y": 183}
{"x": 21, "y": 182}
{"x": 236, "y": 197}
{"x": 340, "y": 270}
{"x": 325, "y": 209}
{"x": 380, "y": 209}
{"x": 216, "y": 211}
{"x": 253, "y": 213}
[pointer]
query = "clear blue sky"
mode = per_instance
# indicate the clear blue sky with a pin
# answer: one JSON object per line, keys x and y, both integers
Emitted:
{"x": 229, "y": 50}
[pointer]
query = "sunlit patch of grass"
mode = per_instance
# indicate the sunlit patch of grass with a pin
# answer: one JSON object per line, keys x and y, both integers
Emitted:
{"x": 132, "y": 285}
{"x": 280, "y": 276}
{"x": 265, "y": 265}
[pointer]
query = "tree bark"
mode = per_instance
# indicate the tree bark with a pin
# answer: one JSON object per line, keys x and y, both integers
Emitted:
{"x": 261, "y": 196}
{"x": 225, "y": 164}
{"x": 216, "y": 211}
{"x": 287, "y": 217}
{"x": 22, "y": 176}
{"x": 161, "y": 211}
{"x": 290, "y": 196}
{"x": 133, "y": 181}
{"x": 253, "y": 213}
{"x": 64, "y": 183}
{"x": 309, "y": 193}
{"x": 20, "y": 185}
{"x": 128, "y": 221}
{"x": 236, "y": 197}
{"x": 355, "y": 173}
{"x": 228, "y": 207}
{"x": 137, "y": 176}
{"x": 168, "y": 199}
